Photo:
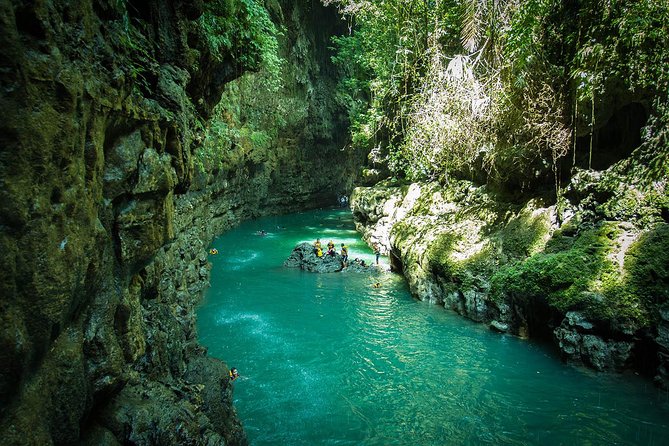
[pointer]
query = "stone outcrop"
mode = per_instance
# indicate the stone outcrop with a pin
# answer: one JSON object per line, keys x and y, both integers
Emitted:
{"x": 522, "y": 269}
{"x": 578, "y": 342}
{"x": 105, "y": 217}
{"x": 305, "y": 258}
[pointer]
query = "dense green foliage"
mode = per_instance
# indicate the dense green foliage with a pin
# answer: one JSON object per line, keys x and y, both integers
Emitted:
{"x": 271, "y": 119}
{"x": 248, "y": 116}
{"x": 500, "y": 88}
{"x": 228, "y": 24}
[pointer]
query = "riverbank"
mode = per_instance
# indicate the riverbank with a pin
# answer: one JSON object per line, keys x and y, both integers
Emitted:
{"x": 596, "y": 287}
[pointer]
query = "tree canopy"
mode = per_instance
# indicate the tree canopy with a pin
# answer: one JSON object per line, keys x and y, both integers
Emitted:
{"x": 504, "y": 90}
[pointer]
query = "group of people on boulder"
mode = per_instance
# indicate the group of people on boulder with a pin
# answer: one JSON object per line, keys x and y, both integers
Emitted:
{"x": 318, "y": 250}
{"x": 331, "y": 251}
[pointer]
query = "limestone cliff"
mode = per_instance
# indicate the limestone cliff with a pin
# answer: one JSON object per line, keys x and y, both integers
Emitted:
{"x": 106, "y": 210}
{"x": 595, "y": 283}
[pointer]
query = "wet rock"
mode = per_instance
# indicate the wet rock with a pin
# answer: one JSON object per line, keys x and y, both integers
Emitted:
{"x": 304, "y": 257}
{"x": 215, "y": 392}
{"x": 577, "y": 344}
{"x": 662, "y": 340}
{"x": 475, "y": 305}
{"x": 578, "y": 321}
{"x": 159, "y": 413}
{"x": 499, "y": 326}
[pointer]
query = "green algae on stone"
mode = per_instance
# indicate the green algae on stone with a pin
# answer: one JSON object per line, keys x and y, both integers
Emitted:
{"x": 583, "y": 277}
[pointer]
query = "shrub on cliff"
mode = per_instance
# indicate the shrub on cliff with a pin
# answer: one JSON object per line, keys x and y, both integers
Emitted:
{"x": 232, "y": 24}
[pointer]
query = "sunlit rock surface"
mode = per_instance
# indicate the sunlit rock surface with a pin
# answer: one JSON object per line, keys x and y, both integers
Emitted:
{"x": 304, "y": 257}
{"x": 596, "y": 288}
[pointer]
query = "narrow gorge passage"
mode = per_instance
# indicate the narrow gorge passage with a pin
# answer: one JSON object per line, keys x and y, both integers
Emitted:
{"x": 329, "y": 359}
{"x": 509, "y": 156}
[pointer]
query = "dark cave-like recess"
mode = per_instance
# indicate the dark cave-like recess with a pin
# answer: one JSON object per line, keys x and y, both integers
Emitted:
{"x": 614, "y": 141}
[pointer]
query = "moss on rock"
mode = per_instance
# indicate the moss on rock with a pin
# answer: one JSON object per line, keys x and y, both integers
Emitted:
{"x": 510, "y": 263}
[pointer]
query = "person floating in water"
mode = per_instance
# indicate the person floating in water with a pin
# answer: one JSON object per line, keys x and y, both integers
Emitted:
{"x": 376, "y": 285}
{"x": 213, "y": 251}
{"x": 344, "y": 255}
{"x": 261, "y": 232}
{"x": 234, "y": 374}
{"x": 377, "y": 252}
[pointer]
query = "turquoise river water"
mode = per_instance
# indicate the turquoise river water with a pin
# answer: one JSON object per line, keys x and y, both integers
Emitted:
{"x": 327, "y": 359}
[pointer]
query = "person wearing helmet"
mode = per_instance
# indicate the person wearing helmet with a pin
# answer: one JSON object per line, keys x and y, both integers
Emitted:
{"x": 344, "y": 254}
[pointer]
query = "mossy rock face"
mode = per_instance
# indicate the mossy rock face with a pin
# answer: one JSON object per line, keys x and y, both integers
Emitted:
{"x": 509, "y": 264}
{"x": 111, "y": 192}
{"x": 646, "y": 273}
{"x": 586, "y": 277}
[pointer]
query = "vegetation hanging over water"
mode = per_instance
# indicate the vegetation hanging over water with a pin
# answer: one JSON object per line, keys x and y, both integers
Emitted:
{"x": 511, "y": 91}
{"x": 535, "y": 136}
{"x": 267, "y": 119}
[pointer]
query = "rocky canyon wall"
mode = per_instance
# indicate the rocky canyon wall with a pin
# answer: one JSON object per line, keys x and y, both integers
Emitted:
{"x": 593, "y": 284}
{"x": 106, "y": 209}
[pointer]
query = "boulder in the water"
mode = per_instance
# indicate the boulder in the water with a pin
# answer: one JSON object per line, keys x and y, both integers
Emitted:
{"x": 304, "y": 257}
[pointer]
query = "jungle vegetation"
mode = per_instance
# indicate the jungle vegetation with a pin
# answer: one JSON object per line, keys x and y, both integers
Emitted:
{"x": 566, "y": 99}
{"x": 509, "y": 91}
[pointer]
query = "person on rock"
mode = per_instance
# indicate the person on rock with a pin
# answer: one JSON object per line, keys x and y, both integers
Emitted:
{"x": 344, "y": 255}
{"x": 377, "y": 252}
{"x": 331, "y": 248}
{"x": 318, "y": 250}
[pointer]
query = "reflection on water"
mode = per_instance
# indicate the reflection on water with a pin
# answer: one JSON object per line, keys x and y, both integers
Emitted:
{"x": 329, "y": 359}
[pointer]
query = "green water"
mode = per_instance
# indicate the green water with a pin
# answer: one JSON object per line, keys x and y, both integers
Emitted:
{"x": 331, "y": 360}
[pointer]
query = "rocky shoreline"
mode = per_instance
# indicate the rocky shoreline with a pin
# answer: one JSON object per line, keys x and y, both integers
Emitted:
{"x": 463, "y": 247}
